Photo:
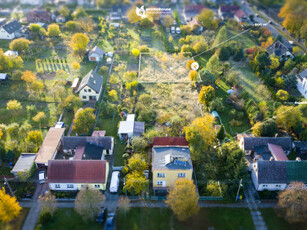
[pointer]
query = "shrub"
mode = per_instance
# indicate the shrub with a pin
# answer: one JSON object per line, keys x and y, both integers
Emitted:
{"x": 44, "y": 218}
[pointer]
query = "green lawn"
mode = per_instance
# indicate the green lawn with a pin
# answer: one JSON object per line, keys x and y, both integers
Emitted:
{"x": 17, "y": 223}
{"x": 68, "y": 219}
{"x": 162, "y": 218}
{"x": 274, "y": 222}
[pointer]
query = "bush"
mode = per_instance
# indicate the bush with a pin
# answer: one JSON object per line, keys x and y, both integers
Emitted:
{"x": 44, "y": 218}
{"x": 103, "y": 70}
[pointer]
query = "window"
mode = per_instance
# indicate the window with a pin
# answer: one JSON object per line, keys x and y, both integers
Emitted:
{"x": 70, "y": 185}
{"x": 278, "y": 186}
{"x": 84, "y": 97}
{"x": 264, "y": 185}
{"x": 159, "y": 182}
{"x": 89, "y": 90}
{"x": 82, "y": 185}
{"x": 181, "y": 175}
{"x": 97, "y": 186}
{"x": 161, "y": 175}
{"x": 85, "y": 90}
{"x": 57, "y": 186}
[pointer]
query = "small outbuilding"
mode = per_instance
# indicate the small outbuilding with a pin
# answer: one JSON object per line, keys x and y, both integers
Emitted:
{"x": 24, "y": 163}
{"x": 96, "y": 54}
{"x": 4, "y": 76}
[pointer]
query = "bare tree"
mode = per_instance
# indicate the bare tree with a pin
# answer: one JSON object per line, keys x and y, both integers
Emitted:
{"x": 124, "y": 204}
{"x": 48, "y": 203}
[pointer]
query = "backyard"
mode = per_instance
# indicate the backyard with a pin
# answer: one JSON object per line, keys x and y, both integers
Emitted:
{"x": 162, "y": 218}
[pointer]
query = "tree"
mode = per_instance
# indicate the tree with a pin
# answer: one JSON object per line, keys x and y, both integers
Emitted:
{"x": 37, "y": 87}
{"x": 213, "y": 65}
{"x": 28, "y": 76}
{"x": 144, "y": 49}
{"x": 71, "y": 25}
{"x": 1, "y": 133}
{"x": 221, "y": 133}
{"x": 220, "y": 37}
{"x": 79, "y": 43}
{"x": 123, "y": 204}
{"x": 193, "y": 75}
{"x": 20, "y": 44}
{"x": 137, "y": 163}
{"x": 206, "y": 94}
{"x": 200, "y": 46}
{"x": 183, "y": 199}
{"x": 136, "y": 183}
{"x": 217, "y": 104}
{"x": 79, "y": 13}
{"x": 282, "y": 95}
{"x": 13, "y": 105}
{"x": 274, "y": 62}
{"x": 269, "y": 128}
{"x": 206, "y": 18}
{"x": 39, "y": 117}
{"x": 170, "y": 39}
{"x": 64, "y": 11}
{"x": 75, "y": 66}
{"x": 132, "y": 16}
{"x": 34, "y": 139}
{"x": 88, "y": 202}
{"x": 72, "y": 103}
{"x": 186, "y": 29}
{"x": 224, "y": 53}
{"x": 86, "y": 24}
{"x": 53, "y": 30}
{"x": 189, "y": 63}
{"x": 292, "y": 203}
{"x": 287, "y": 117}
{"x": 168, "y": 20}
{"x": 289, "y": 65}
{"x": 35, "y": 28}
{"x": 207, "y": 78}
{"x": 48, "y": 203}
{"x": 145, "y": 23}
{"x": 9, "y": 207}
{"x": 187, "y": 50}
{"x": 145, "y": 99}
{"x": 135, "y": 52}
{"x": 84, "y": 120}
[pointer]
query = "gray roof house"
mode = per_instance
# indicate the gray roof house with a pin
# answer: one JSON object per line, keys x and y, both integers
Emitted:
{"x": 90, "y": 87}
{"x": 96, "y": 54}
{"x": 280, "y": 50}
{"x": 10, "y": 30}
{"x": 24, "y": 163}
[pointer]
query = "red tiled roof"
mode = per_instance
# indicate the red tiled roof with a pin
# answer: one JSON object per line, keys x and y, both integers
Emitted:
{"x": 77, "y": 171}
{"x": 278, "y": 152}
{"x": 170, "y": 141}
{"x": 194, "y": 8}
{"x": 99, "y": 133}
{"x": 240, "y": 13}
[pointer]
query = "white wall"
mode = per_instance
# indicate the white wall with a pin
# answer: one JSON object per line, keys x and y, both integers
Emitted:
{"x": 85, "y": 92}
{"x": 30, "y": 2}
{"x": 6, "y": 35}
{"x": 97, "y": 57}
{"x": 302, "y": 86}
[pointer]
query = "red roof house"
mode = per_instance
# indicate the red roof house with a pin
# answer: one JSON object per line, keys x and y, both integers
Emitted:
{"x": 170, "y": 141}
{"x": 277, "y": 152}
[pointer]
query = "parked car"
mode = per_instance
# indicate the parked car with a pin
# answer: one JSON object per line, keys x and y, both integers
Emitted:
{"x": 178, "y": 30}
{"x": 173, "y": 29}
{"x": 110, "y": 222}
{"x": 41, "y": 177}
{"x": 270, "y": 22}
{"x": 114, "y": 181}
{"x": 102, "y": 215}
{"x": 292, "y": 43}
{"x": 257, "y": 15}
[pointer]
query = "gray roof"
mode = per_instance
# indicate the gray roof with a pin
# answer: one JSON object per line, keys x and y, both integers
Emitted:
{"x": 251, "y": 142}
{"x": 139, "y": 127}
{"x": 272, "y": 172}
{"x": 97, "y": 50}
{"x": 303, "y": 74}
{"x": 160, "y": 155}
{"x": 24, "y": 163}
{"x": 277, "y": 48}
{"x": 92, "y": 80}
{"x": 73, "y": 142}
{"x": 11, "y": 27}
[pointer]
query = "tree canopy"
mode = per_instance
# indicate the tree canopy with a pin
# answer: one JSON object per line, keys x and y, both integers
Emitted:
{"x": 84, "y": 120}
{"x": 9, "y": 207}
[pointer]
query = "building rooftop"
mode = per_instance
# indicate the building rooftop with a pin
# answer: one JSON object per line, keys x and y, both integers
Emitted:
{"x": 77, "y": 171}
{"x": 277, "y": 48}
{"x": 277, "y": 152}
{"x": 170, "y": 141}
{"x": 11, "y": 27}
{"x": 251, "y": 142}
{"x": 92, "y": 80}
{"x": 131, "y": 126}
{"x": 229, "y": 8}
{"x": 171, "y": 158}
{"x": 50, "y": 144}
{"x": 97, "y": 50}
{"x": 24, "y": 162}
{"x": 73, "y": 142}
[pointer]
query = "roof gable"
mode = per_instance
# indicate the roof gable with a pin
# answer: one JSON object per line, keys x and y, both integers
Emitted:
{"x": 11, "y": 27}
{"x": 251, "y": 142}
{"x": 271, "y": 172}
{"x": 170, "y": 141}
{"x": 97, "y": 50}
{"x": 92, "y": 80}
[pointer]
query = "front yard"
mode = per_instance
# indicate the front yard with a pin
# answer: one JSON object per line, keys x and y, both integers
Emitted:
{"x": 162, "y": 218}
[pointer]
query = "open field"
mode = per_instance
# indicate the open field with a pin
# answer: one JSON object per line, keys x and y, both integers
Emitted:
{"x": 163, "y": 219}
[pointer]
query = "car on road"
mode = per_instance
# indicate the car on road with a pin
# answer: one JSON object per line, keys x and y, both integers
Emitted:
{"x": 110, "y": 222}
{"x": 101, "y": 216}
{"x": 178, "y": 30}
{"x": 114, "y": 181}
{"x": 173, "y": 30}
{"x": 42, "y": 177}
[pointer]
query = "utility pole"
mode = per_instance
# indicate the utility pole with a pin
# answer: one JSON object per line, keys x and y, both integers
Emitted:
{"x": 240, "y": 184}
{"x": 8, "y": 185}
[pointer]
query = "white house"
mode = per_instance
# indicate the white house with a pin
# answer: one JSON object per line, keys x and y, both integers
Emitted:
{"x": 11, "y": 53}
{"x": 31, "y": 2}
{"x": 302, "y": 82}
{"x": 280, "y": 50}
{"x": 10, "y": 30}
{"x": 277, "y": 175}
{"x": 130, "y": 127}
{"x": 96, "y": 54}
{"x": 90, "y": 87}
{"x": 240, "y": 16}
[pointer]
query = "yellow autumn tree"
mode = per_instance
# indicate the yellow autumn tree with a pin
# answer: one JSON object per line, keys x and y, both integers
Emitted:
{"x": 75, "y": 66}
{"x": 28, "y": 76}
{"x": 9, "y": 207}
{"x": 1, "y": 134}
{"x": 79, "y": 43}
{"x": 183, "y": 199}
{"x": 193, "y": 75}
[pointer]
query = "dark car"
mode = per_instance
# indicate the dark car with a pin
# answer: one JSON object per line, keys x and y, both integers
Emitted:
{"x": 110, "y": 222}
{"x": 101, "y": 216}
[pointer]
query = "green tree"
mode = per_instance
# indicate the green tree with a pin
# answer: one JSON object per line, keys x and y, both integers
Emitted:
{"x": 182, "y": 199}
{"x": 220, "y": 37}
{"x": 217, "y": 104}
{"x": 206, "y": 18}
{"x": 71, "y": 25}
{"x": 221, "y": 133}
{"x": 13, "y": 105}
{"x": 79, "y": 13}
{"x": 282, "y": 95}
{"x": 207, "y": 77}
{"x": 48, "y": 203}
{"x": 84, "y": 120}
{"x": 20, "y": 44}
{"x": 137, "y": 163}
{"x": 35, "y": 28}
{"x": 287, "y": 117}
{"x": 200, "y": 46}
{"x": 214, "y": 65}
{"x": 64, "y": 11}
{"x": 139, "y": 144}
{"x": 206, "y": 94}
{"x": 53, "y": 30}
{"x": 168, "y": 20}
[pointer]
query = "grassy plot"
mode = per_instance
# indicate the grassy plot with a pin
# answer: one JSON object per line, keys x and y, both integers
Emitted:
{"x": 274, "y": 222}
{"x": 17, "y": 223}
{"x": 67, "y": 218}
{"x": 163, "y": 218}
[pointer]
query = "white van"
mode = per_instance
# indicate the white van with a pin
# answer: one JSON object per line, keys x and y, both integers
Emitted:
{"x": 41, "y": 177}
{"x": 114, "y": 181}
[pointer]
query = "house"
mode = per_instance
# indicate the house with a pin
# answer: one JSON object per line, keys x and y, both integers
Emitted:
{"x": 10, "y": 30}
{"x": 130, "y": 128}
{"x": 227, "y": 11}
{"x": 280, "y": 50}
{"x": 302, "y": 82}
{"x": 4, "y": 76}
{"x": 96, "y": 54}
{"x": 90, "y": 87}
{"x": 31, "y": 2}
{"x": 50, "y": 146}
{"x": 171, "y": 159}
{"x": 24, "y": 163}
{"x": 190, "y": 11}
{"x": 277, "y": 175}
{"x": 250, "y": 144}
{"x": 241, "y": 16}
{"x": 300, "y": 147}
{"x": 194, "y": 22}
{"x": 65, "y": 175}
{"x": 11, "y": 53}
{"x": 38, "y": 15}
